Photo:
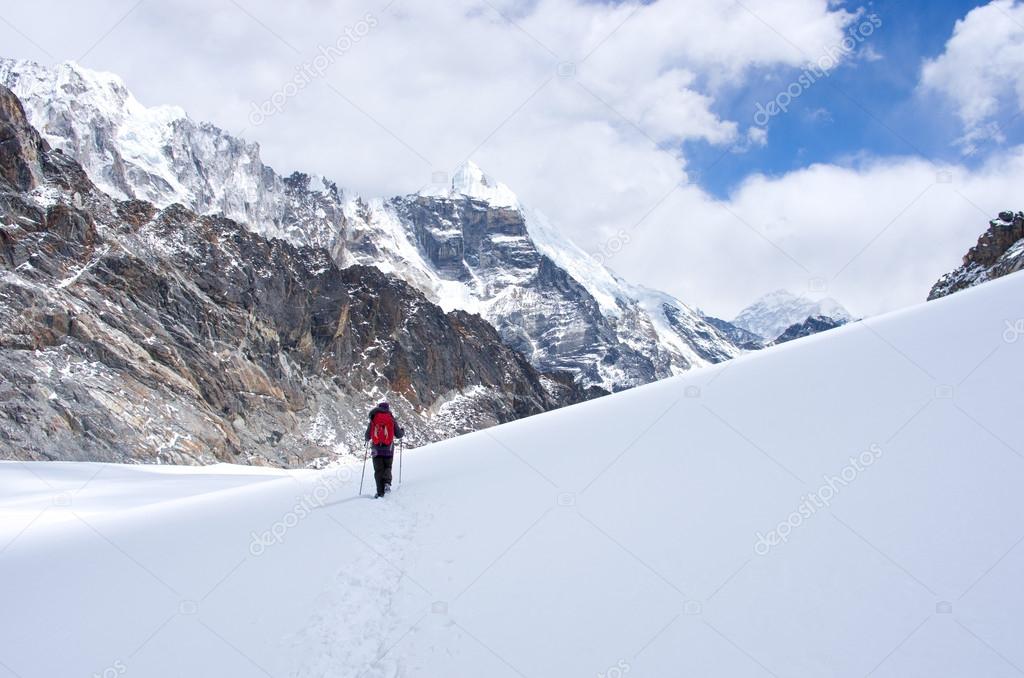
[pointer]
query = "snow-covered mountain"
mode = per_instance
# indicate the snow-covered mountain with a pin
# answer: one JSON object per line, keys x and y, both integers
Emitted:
{"x": 160, "y": 155}
{"x": 471, "y": 246}
{"x": 999, "y": 252}
{"x": 775, "y": 312}
{"x": 130, "y": 333}
{"x": 818, "y": 509}
{"x": 547, "y": 297}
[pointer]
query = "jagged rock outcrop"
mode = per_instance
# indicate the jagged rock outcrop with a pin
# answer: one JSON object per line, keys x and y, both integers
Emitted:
{"x": 19, "y": 150}
{"x": 133, "y": 333}
{"x": 999, "y": 252}
{"x": 813, "y": 325}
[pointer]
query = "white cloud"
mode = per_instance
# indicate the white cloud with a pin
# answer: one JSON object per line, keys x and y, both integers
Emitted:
{"x": 441, "y": 77}
{"x": 435, "y": 82}
{"x": 981, "y": 70}
{"x": 878, "y": 234}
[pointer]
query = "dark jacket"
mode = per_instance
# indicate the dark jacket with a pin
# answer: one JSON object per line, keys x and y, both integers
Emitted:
{"x": 383, "y": 450}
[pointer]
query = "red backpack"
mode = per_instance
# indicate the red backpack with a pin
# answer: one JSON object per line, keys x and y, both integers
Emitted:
{"x": 382, "y": 430}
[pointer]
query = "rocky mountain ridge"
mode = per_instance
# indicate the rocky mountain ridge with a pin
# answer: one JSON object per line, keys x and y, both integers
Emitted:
{"x": 159, "y": 155}
{"x": 134, "y": 333}
{"x": 469, "y": 244}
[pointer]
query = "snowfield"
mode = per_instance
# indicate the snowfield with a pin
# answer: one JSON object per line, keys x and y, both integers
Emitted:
{"x": 844, "y": 505}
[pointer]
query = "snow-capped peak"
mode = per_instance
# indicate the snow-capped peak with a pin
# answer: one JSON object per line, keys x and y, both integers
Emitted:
{"x": 773, "y": 313}
{"x": 98, "y": 101}
{"x": 105, "y": 92}
{"x": 469, "y": 181}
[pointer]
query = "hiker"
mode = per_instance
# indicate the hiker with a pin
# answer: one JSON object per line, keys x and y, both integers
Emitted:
{"x": 381, "y": 433}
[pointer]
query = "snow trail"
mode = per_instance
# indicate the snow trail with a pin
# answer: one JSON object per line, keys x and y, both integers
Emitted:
{"x": 356, "y": 615}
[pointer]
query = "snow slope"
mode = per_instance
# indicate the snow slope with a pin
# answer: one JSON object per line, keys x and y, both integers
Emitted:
{"x": 631, "y": 535}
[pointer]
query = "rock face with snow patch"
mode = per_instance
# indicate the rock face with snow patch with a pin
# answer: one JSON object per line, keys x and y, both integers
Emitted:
{"x": 999, "y": 252}
{"x": 131, "y": 333}
{"x": 469, "y": 245}
{"x": 607, "y": 336}
{"x": 745, "y": 339}
{"x": 813, "y": 325}
{"x": 774, "y": 313}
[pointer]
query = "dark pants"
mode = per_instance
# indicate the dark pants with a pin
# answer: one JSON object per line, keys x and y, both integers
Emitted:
{"x": 382, "y": 471}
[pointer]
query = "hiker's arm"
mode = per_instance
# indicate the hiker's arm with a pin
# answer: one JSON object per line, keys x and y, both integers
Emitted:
{"x": 399, "y": 431}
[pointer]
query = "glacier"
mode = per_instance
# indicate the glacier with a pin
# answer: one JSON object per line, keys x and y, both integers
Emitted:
{"x": 648, "y": 533}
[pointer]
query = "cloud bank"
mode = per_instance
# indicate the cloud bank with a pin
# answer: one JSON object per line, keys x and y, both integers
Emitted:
{"x": 584, "y": 108}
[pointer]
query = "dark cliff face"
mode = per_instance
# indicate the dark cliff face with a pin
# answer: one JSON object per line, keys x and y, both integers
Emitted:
{"x": 460, "y": 236}
{"x": 19, "y": 148}
{"x": 999, "y": 252}
{"x": 813, "y": 325}
{"x": 131, "y": 333}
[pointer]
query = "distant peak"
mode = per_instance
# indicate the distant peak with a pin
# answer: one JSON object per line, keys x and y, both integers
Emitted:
{"x": 780, "y": 293}
{"x": 102, "y": 76}
{"x": 776, "y": 311}
{"x": 784, "y": 295}
{"x": 470, "y": 168}
{"x": 471, "y": 178}
{"x": 469, "y": 181}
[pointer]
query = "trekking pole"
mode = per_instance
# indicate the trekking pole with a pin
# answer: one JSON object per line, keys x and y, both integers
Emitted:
{"x": 401, "y": 449}
{"x": 366, "y": 451}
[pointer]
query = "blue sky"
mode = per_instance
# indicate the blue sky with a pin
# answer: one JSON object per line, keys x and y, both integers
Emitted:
{"x": 865, "y": 107}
